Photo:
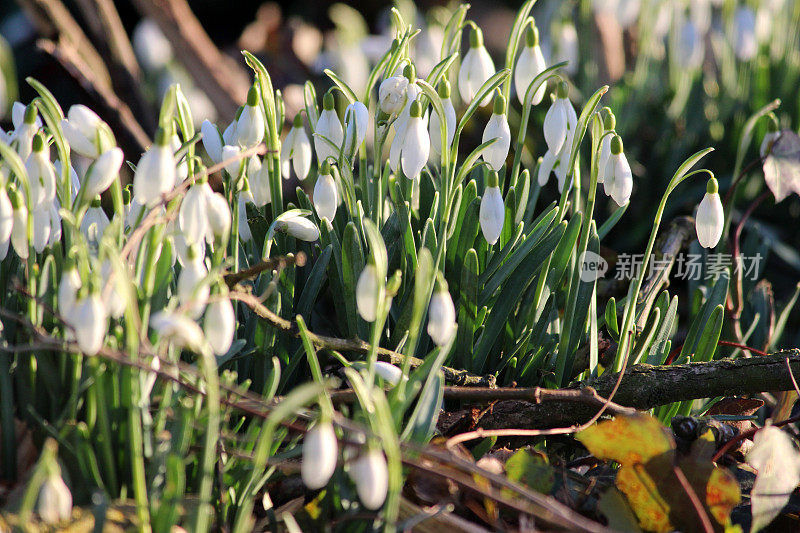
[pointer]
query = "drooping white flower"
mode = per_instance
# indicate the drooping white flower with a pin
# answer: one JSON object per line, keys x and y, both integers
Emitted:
{"x": 328, "y": 130}
{"x": 193, "y": 290}
{"x": 179, "y": 330}
{"x": 94, "y": 222}
{"x": 68, "y": 288}
{"x": 392, "y": 94}
{"x": 86, "y": 133}
{"x": 368, "y": 292}
{"x": 476, "y": 68}
{"x": 232, "y": 154}
{"x": 609, "y": 123}
{"x": 326, "y": 195}
{"x": 193, "y": 217}
{"x": 41, "y": 227}
{"x": 219, "y": 325}
{"x": 90, "y": 321}
{"x": 296, "y": 150}
{"x": 102, "y": 172}
{"x": 356, "y": 118}
{"x": 556, "y": 121}
{"x": 152, "y": 48}
{"x": 55, "y": 223}
{"x": 565, "y": 47}
{"x": 219, "y": 216}
{"x": 155, "y": 174}
{"x": 434, "y": 127}
{"x": 416, "y": 144}
{"x": 530, "y": 64}
{"x": 710, "y": 217}
{"x": 25, "y": 132}
{"x": 441, "y": 316}
{"x": 113, "y": 298}
{"x": 260, "y": 185}
{"x": 250, "y": 125}
{"x": 212, "y": 141}
{"x": 55, "y": 500}
{"x": 618, "y": 181}
{"x": 492, "y": 214}
{"x": 41, "y": 173}
{"x": 6, "y": 216}
{"x": 497, "y": 128}
{"x": 388, "y": 372}
{"x": 19, "y": 229}
{"x": 413, "y": 92}
{"x": 320, "y": 454}
{"x": 298, "y": 227}
{"x": 545, "y": 168}
{"x": 244, "y": 225}
{"x": 371, "y": 477}
{"x": 18, "y": 110}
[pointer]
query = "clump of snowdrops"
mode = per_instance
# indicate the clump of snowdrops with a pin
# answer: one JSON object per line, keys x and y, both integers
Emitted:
{"x": 126, "y": 342}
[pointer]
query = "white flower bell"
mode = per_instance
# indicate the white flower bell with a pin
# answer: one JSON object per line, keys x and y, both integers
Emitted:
{"x": 41, "y": 227}
{"x": 155, "y": 174}
{"x": 557, "y": 121}
{"x": 192, "y": 216}
{"x": 618, "y": 179}
{"x": 193, "y": 290}
{"x": 326, "y": 195}
{"x": 219, "y": 325}
{"x": 492, "y": 214}
{"x": 212, "y": 141}
{"x": 24, "y": 133}
{"x": 6, "y": 216}
{"x": 392, "y": 94}
{"x": 546, "y": 164}
{"x": 530, "y": 64}
{"x": 320, "y": 455}
{"x": 102, "y": 172}
{"x": 368, "y": 292}
{"x": 434, "y": 127}
{"x": 19, "y": 228}
{"x": 55, "y": 500}
{"x": 232, "y": 155}
{"x": 250, "y": 124}
{"x": 497, "y": 128}
{"x": 328, "y": 130}
{"x": 86, "y": 133}
{"x": 476, "y": 68}
{"x": 295, "y": 150}
{"x": 609, "y": 123}
{"x": 356, "y": 117}
{"x": 441, "y": 315}
{"x": 219, "y": 217}
{"x": 388, "y": 372}
{"x": 298, "y": 227}
{"x": 179, "y": 330}
{"x": 68, "y": 288}
{"x": 41, "y": 173}
{"x": 94, "y": 222}
{"x": 371, "y": 477}
{"x": 90, "y": 321}
{"x": 416, "y": 144}
{"x": 710, "y": 217}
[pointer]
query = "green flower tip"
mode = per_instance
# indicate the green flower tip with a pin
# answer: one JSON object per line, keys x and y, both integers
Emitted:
{"x": 476, "y": 38}
{"x": 162, "y": 137}
{"x": 532, "y": 36}
{"x": 126, "y": 196}
{"x": 325, "y": 168}
{"x": 609, "y": 120}
{"x": 410, "y": 72}
{"x": 298, "y": 121}
{"x": 493, "y": 179}
{"x": 15, "y": 197}
{"x": 563, "y": 90}
{"x": 328, "y": 101}
{"x": 773, "y": 125}
{"x": 444, "y": 89}
{"x": 96, "y": 201}
{"x": 499, "y": 104}
{"x": 38, "y": 143}
{"x": 712, "y": 187}
{"x": 441, "y": 283}
{"x": 395, "y": 44}
{"x": 416, "y": 109}
{"x": 30, "y": 114}
{"x": 616, "y": 145}
{"x": 252, "y": 96}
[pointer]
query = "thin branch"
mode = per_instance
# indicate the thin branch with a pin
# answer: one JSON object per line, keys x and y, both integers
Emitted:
{"x": 273, "y": 263}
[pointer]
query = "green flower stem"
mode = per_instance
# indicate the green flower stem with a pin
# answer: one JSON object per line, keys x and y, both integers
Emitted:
{"x": 208, "y": 367}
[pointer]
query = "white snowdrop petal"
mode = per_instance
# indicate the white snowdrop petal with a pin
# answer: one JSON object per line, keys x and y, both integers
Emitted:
{"x": 212, "y": 141}
{"x": 320, "y": 455}
{"x": 250, "y": 127}
{"x": 91, "y": 324}
{"x": 709, "y": 220}
{"x": 415, "y": 149}
{"x": 371, "y": 477}
{"x": 55, "y": 501}
{"x": 368, "y": 290}
{"x": 496, "y": 154}
{"x": 441, "y": 318}
{"x": 219, "y": 325}
{"x": 325, "y": 197}
{"x": 329, "y": 127}
{"x": 555, "y": 127}
{"x": 492, "y": 214}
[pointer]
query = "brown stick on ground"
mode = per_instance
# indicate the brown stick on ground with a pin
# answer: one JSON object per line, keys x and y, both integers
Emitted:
{"x": 222, "y": 79}
{"x": 648, "y": 386}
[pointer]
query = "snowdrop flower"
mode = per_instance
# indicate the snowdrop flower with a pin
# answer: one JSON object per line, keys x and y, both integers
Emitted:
{"x": 232, "y": 154}
{"x": 529, "y": 65}
{"x": 55, "y": 223}
{"x": 710, "y": 216}
{"x": 250, "y": 124}
{"x": 151, "y": 47}
{"x": 86, "y": 133}
{"x": 219, "y": 325}
{"x": 609, "y": 123}
{"x": 434, "y": 127}
{"x": 112, "y": 297}
{"x": 546, "y": 163}
{"x": 212, "y": 141}
{"x": 296, "y": 149}
{"x": 6, "y": 216}
{"x": 371, "y": 477}
{"x": 41, "y": 227}
{"x": 492, "y": 214}
{"x": 260, "y": 186}
{"x": 566, "y": 47}
{"x": 94, "y": 222}
{"x": 155, "y": 174}
{"x": 178, "y": 329}
{"x": 369, "y": 290}
{"x": 412, "y": 93}
{"x": 102, "y": 172}
{"x": 219, "y": 217}
{"x": 497, "y": 128}
{"x": 356, "y": 117}
{"x": 68, "y": 288}
{"x": 18, "y": 110}
{"x": 326, "y": 196}
{"x": 244, "y": 225}
{"x": 90, "y": 322}
{"x": 298, "y": 227}
{"x": 19, "y": 229}
{"x": 25, "y": 132}
{"x": 41, "y": 173}
{"x": 328, "y": 129}
{"x": 320, "y": 454}
{"x": 441, "y": 315}
{"x": 392, "y": 94}
{"x": 476, "y": 67}
{"x": 55, "y": 500}
{"x": 388, "y": 372}
{"x": 618, "y": 180}
{"x": 416, "y": 144}
{"x": 193, "y": 290}
{"x": 773, "y": 132}
{"x": 745, "y": 44}
{"x": 557, "y": 120}
{"x": 192, "y": 217}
